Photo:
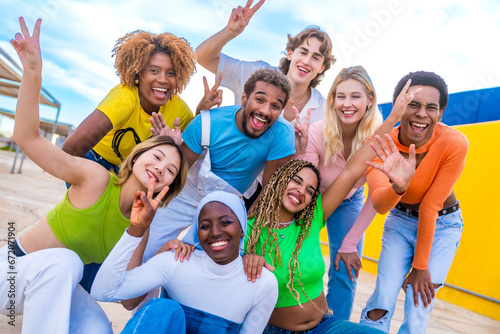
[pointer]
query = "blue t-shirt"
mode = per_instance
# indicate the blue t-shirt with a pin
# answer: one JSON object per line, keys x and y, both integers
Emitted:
{"x": 236, "y": 158}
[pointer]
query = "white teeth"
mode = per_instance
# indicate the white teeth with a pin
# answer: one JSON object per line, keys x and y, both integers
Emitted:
{"x": 160, "y": 89}
{"x": 219, "y": 243}
{"x": 152, "y": 176}
{"x": 260, "y": 119}
{"x": 345, "y": 112}
{"x": 303, "y": 69}
{"x": 419, "y": 125}
{"x": 293, "y": 198}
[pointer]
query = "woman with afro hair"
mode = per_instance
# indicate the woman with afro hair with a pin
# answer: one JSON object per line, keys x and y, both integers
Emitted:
{"x": 153, "y": 70}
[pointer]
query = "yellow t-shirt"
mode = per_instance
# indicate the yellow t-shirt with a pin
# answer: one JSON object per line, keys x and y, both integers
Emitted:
{"x": 131, "y": 123}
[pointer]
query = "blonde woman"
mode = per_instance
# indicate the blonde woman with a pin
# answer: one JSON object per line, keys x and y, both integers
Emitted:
{"x": 351, "y": 117}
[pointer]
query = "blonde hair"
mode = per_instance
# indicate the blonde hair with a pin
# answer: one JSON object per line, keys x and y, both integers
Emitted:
{"x": 128, "y": 164}
{"x": 134, "y": 50}
{"x": 332, "y": 126}
{"x": 266, "y": 214}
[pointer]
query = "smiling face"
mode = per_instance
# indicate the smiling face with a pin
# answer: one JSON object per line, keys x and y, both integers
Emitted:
{"x": 219, "y": 232}
{"x": 420, "y": 117}
{"x": 306, "y": 61}
{"x": 161, "y": 163}
{"x": 298, "y": 194}
{"x": 260, "y": 109}
{"x": 157, "y": 82}
{"x": 351, "y": 101}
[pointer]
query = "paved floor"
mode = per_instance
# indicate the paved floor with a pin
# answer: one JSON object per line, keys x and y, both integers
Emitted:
{"x": 26, "y": 197}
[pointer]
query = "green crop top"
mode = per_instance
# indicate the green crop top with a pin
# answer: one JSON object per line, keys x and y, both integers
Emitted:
{"x": 312, "y": 264}
{"x": 92, "y": 232}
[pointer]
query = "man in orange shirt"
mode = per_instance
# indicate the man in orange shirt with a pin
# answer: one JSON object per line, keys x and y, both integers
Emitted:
{"x": 424, "y": 226}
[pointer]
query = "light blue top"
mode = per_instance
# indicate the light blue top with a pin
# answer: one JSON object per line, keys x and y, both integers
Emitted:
{"x": 236, "y": 158}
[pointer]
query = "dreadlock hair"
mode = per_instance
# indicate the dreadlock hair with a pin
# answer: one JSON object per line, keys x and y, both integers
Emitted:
{"x": 266, "y": 214}
{"x": 134, "y": 50}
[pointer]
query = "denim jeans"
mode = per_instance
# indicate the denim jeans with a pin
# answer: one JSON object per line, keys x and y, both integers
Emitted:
{"x": 199, "y": 322}
{"x": 327, "y": 325}
{"x": 398, "y": 248}
{"x": 92, "y": 155}
{"x": 341, "y": 289}
{"x": 161, "y": 315}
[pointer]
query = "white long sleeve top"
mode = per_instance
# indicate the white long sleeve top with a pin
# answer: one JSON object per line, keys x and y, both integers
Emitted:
{"x": 200, "y": 283}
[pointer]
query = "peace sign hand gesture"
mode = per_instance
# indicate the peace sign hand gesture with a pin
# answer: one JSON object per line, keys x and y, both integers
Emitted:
{"x": 212, "y": 97}
{"x": 403, "y": 99}
{"x": 28, "y": 47}
{"x": 144, "y": 209}
{"x": 240, "y": 17}
{"x": 399, "y": 169}
{"x": 301, "y": 131}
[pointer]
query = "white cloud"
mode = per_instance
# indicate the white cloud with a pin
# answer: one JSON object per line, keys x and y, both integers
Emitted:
{"x": 456, "y": 39}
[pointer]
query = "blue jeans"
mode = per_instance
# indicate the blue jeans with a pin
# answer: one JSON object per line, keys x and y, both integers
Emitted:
{"x": 341, "y": 289}
{"x": 398, "y": 248}
{"x": 161, "y": 315}
{"x": 327, "y": 325}
{"x": 92, "y": 155}
{"x": 90, "y": 270}
{"x": 157, "y": 316}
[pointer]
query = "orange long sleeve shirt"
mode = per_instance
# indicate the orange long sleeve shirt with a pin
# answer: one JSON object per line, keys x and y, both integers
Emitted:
{"x": 432, "y": 183}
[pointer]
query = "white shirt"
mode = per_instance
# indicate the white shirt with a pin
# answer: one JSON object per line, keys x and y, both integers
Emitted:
{"x": 199, "y": 283}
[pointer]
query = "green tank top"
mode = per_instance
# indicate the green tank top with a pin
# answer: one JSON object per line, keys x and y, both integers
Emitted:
{"x": 312, "y": 264}
{"x": 92, "y": 232}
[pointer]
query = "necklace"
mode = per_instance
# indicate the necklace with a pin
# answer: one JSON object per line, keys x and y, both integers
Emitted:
{"x": 283, "y": 225}
{"x": 294, "y": 102}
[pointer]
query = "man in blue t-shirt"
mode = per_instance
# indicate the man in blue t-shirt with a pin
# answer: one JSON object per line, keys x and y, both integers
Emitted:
{"x": 244, "y": 140}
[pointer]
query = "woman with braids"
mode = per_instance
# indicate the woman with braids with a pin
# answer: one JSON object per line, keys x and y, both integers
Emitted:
{"x": 351, "y": 117}
{"x": 284, "y": 232}
{"x": 86, "y": 224}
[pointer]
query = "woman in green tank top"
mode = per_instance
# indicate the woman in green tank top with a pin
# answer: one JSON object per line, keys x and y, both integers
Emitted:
{"x": 84, "y": 227}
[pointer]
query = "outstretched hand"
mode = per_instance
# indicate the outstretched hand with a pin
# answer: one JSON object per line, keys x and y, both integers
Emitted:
{"x": 28, "y": 47}
{"x": 240, "y": 16}
{"x": 160, "y": 128}
{"x": 212, "y": 97}
{"x": 351, "y": 260}
{"x": 397, "y": 168}
{"x": 144, "y": 209}
{"x": 301, "y": 131}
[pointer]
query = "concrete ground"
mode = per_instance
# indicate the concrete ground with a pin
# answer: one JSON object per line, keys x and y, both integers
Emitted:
{"x": 26, "y": 197}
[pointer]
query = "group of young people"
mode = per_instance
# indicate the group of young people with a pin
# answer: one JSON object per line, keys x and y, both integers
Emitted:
{"x": 141, "y": 170}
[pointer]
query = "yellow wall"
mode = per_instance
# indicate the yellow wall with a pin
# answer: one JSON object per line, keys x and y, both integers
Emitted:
{"x": 477, "y": 263}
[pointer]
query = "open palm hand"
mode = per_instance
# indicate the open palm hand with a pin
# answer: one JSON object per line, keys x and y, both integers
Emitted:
{"x": 398, "y": 169}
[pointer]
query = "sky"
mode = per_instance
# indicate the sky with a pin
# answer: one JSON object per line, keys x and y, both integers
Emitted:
{"x": 457, "y": 39}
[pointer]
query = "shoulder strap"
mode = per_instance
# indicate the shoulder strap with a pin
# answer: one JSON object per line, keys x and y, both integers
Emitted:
{"x": 205, "y": 128}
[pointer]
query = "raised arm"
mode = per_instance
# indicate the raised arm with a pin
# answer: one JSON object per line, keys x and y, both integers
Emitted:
{"x": 88, "y": 134}
{"x": 208, "y": 52}
{"x": 26, "y": 129}
{"x": 357, "y": 166}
